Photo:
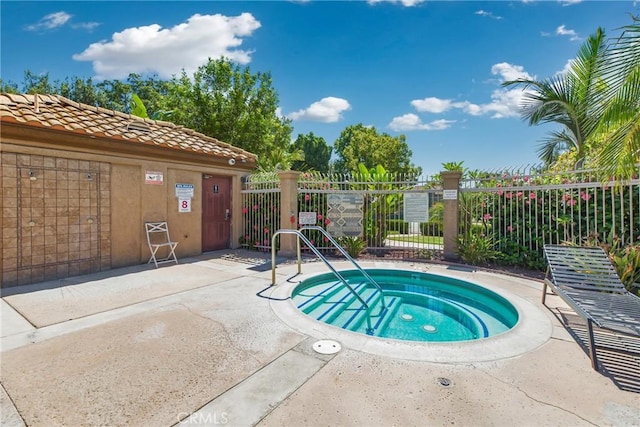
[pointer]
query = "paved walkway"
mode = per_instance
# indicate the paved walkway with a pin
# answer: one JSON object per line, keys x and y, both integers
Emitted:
{"x": 194, "y": 344}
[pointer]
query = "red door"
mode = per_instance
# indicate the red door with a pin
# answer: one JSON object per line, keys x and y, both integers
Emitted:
{"x": 216, "y": 212}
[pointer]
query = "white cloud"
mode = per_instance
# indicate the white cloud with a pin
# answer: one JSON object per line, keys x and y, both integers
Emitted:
{"x": 167, "y": 51}
{"x": 564, "y": 31}
{"x": 504, "y": 102}
{"x": 566, "y": 68}
{"x": 510, "y": 72}
{"x": 327, "y": 110}
{"x": 50, "y": 22}
{"x": 569, "y": 2}
{"x": 406, "y": 3}
{"x": 89, "y": 26}
{"x": 487, "y": 14}
{"x": 431, "y": 105}
{"x": 470, "y": 108}
{"x": 58, "y": 20}
{"x": 412, "y": 122}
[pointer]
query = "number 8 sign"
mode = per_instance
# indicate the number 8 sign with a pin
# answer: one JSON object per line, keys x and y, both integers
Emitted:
{"x": 184, "y": 205}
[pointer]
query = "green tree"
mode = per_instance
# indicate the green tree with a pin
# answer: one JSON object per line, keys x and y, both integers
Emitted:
{"x": 8, "y": 87}
{"x": 221, "y": 100}
{"x": 75, "y": 88}
{"x": 151, "y": 91}
{"x": 80, "y": 90}
{"x": 316, "y": 153}
{"x": 378, "y": 205}
{"x": 280, "y": 159}
{"x": 117, "y": 95}
{"x": 37, "y": 83}
{"x": 566, "y": 99}
{"x": 110, "y": 94}
{"x": 231, "y": 104}
{"x": 361, "y": 144}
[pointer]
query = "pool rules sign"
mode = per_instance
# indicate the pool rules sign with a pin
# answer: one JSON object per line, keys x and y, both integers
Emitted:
{"x": 184, "y": 193}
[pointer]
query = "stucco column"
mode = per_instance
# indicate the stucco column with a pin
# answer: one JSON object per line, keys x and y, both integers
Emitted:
{"x": 450, "y": 187}
{"x": 288, "y": 210}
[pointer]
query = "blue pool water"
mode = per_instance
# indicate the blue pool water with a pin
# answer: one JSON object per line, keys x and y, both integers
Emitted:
{"x": 419, "y": 306}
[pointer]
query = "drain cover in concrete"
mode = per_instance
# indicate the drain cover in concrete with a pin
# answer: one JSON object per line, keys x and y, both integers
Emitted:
{"x": 327, "y": 346}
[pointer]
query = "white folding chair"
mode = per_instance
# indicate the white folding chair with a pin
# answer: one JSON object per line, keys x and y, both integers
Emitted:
{"x": 158, "y": 237}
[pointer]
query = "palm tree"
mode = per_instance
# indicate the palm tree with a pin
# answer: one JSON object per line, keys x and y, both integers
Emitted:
{"x": 566, "y": 99}
{"x": 618, "y": 105}
{"x": 280, "y": 159}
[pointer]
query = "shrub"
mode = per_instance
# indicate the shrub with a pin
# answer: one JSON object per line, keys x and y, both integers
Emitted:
{"x": 476, "y": 249}
{"x": 625, "y": 258}
{"x": 627, "y": 263}
{"x": 353, "y": 245}
{"x": 514, "y": 254}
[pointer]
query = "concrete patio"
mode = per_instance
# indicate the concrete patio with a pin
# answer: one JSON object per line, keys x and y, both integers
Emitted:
{"x": 198, "y": 344}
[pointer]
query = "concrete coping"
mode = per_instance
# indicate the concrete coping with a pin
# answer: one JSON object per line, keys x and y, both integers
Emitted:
{"x": 533, "y": 329}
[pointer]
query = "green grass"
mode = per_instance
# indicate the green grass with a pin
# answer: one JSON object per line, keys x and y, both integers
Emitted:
{"x": 432, "y": 240}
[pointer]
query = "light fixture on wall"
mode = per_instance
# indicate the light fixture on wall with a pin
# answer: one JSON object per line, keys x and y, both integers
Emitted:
{"x": 32, "y": 175}
{"x": 232, "y": 162}
{"x": 89, "y": 177}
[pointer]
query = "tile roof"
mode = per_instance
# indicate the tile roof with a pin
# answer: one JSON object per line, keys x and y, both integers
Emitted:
{"x": 57, "y": 112}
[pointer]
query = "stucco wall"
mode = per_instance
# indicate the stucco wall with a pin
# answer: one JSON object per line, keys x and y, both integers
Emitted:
{"x": 55, "y": 218}
{"x": 126, "y": 214}
{"x": 185, "y": 226}
{"x": 108, "y": 211}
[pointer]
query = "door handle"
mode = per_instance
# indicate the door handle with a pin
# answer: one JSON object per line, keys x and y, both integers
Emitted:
{"x": 227, "y": 215}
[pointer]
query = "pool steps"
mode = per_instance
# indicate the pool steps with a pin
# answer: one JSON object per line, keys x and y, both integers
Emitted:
{"x": 336, "y": 305}
{"x": 329, "y": 300}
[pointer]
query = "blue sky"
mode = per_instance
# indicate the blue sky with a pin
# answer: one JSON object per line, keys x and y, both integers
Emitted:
{"x": 430, "y": 70}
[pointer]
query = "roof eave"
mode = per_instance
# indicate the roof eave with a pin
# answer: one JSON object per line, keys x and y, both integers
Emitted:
{"x": 46, "y": 136}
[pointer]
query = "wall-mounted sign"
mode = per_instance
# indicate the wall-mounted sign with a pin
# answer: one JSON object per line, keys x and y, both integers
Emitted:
{"x": 416, "y": 207}
{"x": 449, "y": 194}
{"x": 345, "y": 214}
{"x": 307, "y": 218}
{"x": 153, "y": 177}
{"x": 184, "y": 205}
{"x": 184, "y": 191}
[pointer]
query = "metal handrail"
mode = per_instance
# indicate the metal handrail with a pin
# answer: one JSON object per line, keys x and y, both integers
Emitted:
{"x": 347, "y": 256}
{"x": 316, "y": 251}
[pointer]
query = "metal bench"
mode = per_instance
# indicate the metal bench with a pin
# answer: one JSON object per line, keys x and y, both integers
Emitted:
{"x": 157, "y": 238}
{"x": 587, "y": 281}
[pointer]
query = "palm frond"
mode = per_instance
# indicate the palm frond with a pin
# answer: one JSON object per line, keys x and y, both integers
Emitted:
{"x": 618, "y": 105}
{"x": 590, "y": 99}
{"x": 552, "y": 146}
{"x": 621, "y": 155}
